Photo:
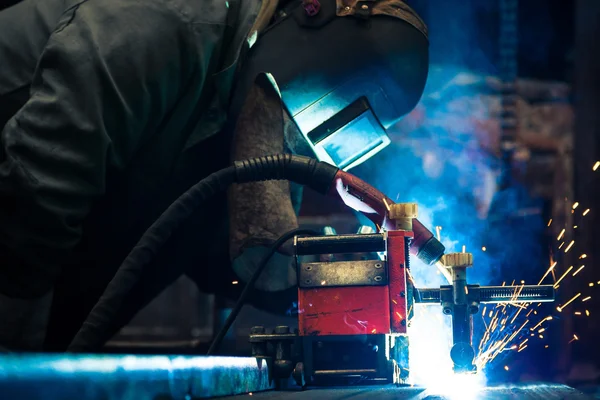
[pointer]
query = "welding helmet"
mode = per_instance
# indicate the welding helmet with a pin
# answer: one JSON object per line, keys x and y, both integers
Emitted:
{"x": 345, "y": 70}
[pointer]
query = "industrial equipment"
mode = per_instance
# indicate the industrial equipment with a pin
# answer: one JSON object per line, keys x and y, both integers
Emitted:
{"x": 353, "y": 310}
{"x": 356, "y": 299}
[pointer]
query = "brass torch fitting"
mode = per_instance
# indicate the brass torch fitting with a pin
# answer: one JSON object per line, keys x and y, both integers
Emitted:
{"x": 403, "y": 214}
{"x": 458, "y": 264}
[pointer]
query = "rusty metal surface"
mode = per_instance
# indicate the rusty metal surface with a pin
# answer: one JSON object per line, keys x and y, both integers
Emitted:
{"x": 398, "y": 263}
{"x": 520, "y": 392}
{"x": 344, "y": 310}
{"x": 124, "y": 377}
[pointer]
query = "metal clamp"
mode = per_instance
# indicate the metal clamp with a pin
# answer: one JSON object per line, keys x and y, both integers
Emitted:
{"x": 343, "y": 273}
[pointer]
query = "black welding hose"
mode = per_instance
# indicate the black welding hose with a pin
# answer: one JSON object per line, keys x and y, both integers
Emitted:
{"x": 214, "y": 346}
{"x": 303, "y": 170}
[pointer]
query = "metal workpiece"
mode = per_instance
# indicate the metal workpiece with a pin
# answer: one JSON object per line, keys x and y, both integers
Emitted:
{"x": 362, "y": 243}
{"x": 528, "y": 391}
{"x": 342, "y": 273}
{"x": 117, "y": 377}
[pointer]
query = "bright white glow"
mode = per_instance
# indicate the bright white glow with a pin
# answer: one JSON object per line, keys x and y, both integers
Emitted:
{"x": 430, "y": 336}
{"x": 430, "y": 333}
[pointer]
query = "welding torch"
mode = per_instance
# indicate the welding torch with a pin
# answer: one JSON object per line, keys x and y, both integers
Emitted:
{"x": 320, "y": 176}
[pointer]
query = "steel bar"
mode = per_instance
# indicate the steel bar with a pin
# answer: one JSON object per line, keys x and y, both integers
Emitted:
{"x": 111, "y": 377}
{"x": 503, "y": 294}
{"x": 492, "y": 294}
{"x": 362, "y": 243}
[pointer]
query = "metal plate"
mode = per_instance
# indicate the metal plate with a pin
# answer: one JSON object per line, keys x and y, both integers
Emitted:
{"x": 343, "y": 273}
{"x": 389, "y": 392}
{"x": 125, "y": 377}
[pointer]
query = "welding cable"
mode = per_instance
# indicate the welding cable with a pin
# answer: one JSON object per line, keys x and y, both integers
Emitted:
{"x": 214, "y": 346}
{"x": 302, "y": 170}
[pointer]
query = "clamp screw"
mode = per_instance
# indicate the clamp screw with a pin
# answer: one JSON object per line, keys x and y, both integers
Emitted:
{"x": 282, "y": 329}
{"x": 257, "y": 330}
{"x": 457, "y": 260}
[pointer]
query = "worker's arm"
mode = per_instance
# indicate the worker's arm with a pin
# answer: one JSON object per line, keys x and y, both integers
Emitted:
{"x": 260, "y": 212}
{"x": 108, "y": 77}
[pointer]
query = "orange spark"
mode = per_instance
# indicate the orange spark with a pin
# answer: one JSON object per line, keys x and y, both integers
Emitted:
{"x": 569, "y": 246}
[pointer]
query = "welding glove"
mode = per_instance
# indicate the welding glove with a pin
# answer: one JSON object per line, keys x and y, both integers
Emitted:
{"x": 259, "y": 213}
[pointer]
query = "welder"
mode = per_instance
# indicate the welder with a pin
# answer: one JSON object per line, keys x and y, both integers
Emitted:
{"x": 111, "y": 109}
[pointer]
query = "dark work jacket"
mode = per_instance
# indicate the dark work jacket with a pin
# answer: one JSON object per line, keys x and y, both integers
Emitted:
{"x": 109, "y": 110}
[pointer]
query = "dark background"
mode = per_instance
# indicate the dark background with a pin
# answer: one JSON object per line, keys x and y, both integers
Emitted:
{"x": 558, "y": 40}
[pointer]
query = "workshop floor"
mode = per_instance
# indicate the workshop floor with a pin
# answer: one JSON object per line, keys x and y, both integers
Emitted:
{"x": 525, "y": 392}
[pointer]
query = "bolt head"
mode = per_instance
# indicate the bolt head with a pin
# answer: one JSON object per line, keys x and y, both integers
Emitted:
{"x": 257, "y": 330}
{"x": 282, "y": 329}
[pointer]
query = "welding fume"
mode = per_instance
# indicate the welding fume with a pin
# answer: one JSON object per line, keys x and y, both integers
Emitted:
{"x": 199, "y": 141}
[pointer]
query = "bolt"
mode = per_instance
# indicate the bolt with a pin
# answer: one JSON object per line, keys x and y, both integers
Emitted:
{"x": 308, "y": 268}
{"x": 377, "y": 279}
{"x": 447, "y": 311}
{"x": 365, "y": 7}
{"x": 282, "y": 329}
{"x": 308, "y": 281}
{"x": 346, "y": 8}
{"x": 257, "y": 330}
{"x": 378, "y": 265}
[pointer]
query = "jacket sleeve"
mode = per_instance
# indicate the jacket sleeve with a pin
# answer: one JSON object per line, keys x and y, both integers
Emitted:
{"x": 260, "y": 212}
{"x": 106, "y": 79}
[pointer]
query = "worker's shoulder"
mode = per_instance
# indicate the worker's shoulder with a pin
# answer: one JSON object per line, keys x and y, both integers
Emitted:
{"x": 175, "y": 12}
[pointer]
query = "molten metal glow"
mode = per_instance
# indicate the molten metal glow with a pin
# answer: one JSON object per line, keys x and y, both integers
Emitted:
{"x": 430, "y": 363}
